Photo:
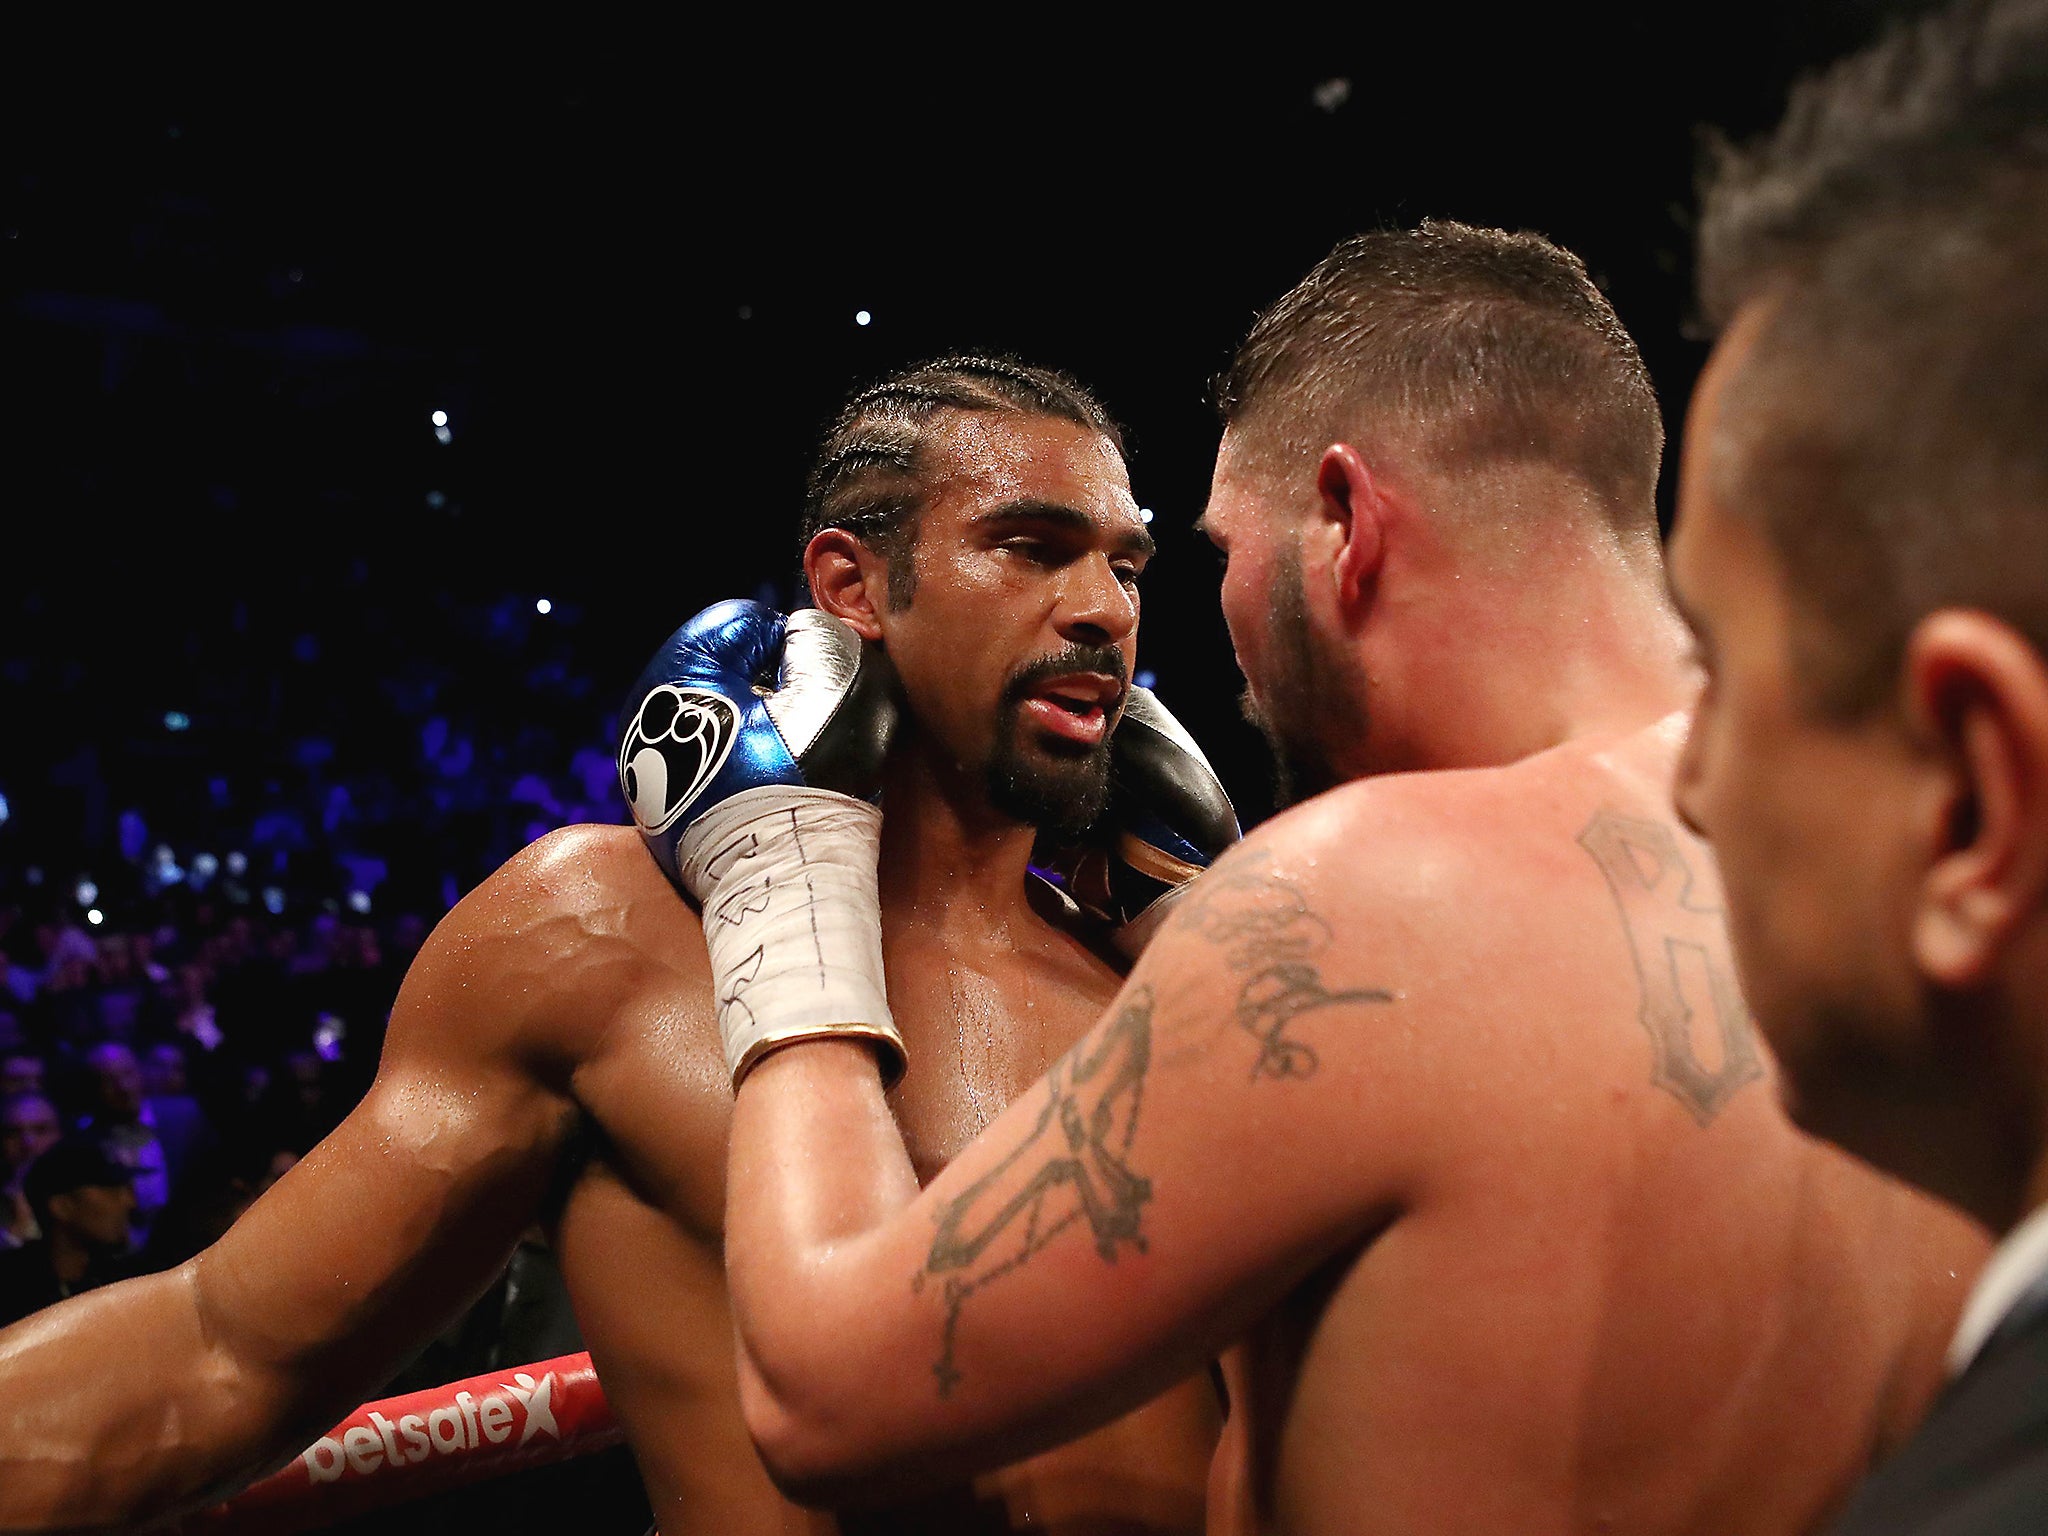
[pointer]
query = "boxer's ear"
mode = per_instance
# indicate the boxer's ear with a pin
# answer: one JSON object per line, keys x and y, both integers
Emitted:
{"x": 1976, "y": 705}
{"x": 847, "y": 579}
{"x": 1352, "y": 509}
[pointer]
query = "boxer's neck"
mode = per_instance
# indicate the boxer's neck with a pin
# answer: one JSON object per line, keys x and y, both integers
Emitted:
{"x": 1477, "y": 669}
{"x": 948, "y": 857}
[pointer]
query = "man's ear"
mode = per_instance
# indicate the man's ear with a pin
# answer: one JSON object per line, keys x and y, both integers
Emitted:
{"x": 847, "y": 579}
{"x": 1351, "y": 509}
{"x": 1976, "y": 693}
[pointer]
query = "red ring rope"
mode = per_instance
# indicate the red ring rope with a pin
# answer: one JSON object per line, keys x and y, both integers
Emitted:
{"x": 399, "y": 1449}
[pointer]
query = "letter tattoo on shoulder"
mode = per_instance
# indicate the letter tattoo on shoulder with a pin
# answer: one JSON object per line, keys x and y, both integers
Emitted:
{"x": 1266, "y": 930}
{"x": 1681, "y": 952}
{"x": 1069, "y": 1168}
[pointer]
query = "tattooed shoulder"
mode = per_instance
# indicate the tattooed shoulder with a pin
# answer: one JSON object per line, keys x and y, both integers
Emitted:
{"x": 1678, "y": 939}
{"x": 1261, "y": 923}
{"x": 1071, "y": 1169}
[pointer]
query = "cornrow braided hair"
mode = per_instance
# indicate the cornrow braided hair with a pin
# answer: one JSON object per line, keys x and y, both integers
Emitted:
{"x": 866, "y": 475}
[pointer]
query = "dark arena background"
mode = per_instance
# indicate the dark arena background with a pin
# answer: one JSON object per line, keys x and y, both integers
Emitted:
{"x": 376, "y": 398}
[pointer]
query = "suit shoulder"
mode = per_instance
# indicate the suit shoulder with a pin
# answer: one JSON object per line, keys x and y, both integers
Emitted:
{"x": 1983, "y": 1446}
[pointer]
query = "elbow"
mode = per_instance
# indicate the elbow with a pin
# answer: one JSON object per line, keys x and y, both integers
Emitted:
{"x": 816, "y": 1455}
{"x": 819, "y": 1371}
{"x": 805, "y": 1458}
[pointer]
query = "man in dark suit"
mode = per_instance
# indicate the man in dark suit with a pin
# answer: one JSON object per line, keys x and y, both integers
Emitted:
{"x": 1862, "y": 550}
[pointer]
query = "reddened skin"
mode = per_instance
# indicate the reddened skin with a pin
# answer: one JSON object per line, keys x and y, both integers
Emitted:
{"x": 1976, "y": 699}
{"x": 1354, "y": 511}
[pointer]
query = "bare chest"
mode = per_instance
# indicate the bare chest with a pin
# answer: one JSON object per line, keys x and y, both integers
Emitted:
{"x": 980, "y": 1030}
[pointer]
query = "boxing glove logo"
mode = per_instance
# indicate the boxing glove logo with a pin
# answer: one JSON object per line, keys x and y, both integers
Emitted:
{"x": 678, "y": 741}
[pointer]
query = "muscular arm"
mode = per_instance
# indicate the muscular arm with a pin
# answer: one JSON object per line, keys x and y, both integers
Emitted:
{"x": 1108, "y": 1234}
{"x": 164, "y": 1391}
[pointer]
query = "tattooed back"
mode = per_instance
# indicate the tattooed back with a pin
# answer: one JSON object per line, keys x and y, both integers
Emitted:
{"x": 1487, "y": 1024}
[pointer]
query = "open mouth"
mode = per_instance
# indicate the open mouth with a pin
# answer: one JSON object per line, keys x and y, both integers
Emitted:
{"x": 1076, "y": 707}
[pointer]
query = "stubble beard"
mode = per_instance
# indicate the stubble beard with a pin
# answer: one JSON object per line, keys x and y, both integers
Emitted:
{"x": 1299, "y": 692}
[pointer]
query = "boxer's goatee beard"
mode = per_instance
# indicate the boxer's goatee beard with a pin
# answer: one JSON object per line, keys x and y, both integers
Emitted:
{"x": 1300, "y": 692}
{"x": 1060, "y": 787}
{"x": 1061, "y": 797}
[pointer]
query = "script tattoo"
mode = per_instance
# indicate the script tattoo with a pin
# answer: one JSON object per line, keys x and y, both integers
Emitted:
{"x": 1675, "y": 940}
{"x": 1264, "y": 926}
{"x": 1069, "y": 1168}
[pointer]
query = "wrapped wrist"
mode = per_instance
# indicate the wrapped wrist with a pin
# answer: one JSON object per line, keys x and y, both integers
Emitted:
{"x": 785, "y": 875}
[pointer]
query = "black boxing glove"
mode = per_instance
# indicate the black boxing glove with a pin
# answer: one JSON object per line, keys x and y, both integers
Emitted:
{"x": 1169, "y": 818}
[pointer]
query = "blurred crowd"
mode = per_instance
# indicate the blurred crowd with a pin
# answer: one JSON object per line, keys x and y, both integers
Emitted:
{"x": 189, "y": 1062}
{"x": 195, "y": 980}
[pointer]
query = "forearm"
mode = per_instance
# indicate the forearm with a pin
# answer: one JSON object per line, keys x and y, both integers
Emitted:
{"x": 848, "y": 1283}
{"x": 119, "y": 1405}
{"x": 816, "y": 1173}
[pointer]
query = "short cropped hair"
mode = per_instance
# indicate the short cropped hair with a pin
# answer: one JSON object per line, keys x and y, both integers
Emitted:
{"x": 1889, "y": 423}
{"x": 1492, "y": 347}
{"x": 868, "y": 475}
{"x": 78, "y": 1161}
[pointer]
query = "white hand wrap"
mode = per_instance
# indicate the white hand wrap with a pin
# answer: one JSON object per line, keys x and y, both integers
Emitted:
{"x": 793, "y": 920}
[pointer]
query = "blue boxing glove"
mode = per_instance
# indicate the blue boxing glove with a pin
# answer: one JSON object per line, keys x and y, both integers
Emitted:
{"x": 1169, "y": 818}
{"x": 750, "y": 753}
{"x": 703, "y": 722}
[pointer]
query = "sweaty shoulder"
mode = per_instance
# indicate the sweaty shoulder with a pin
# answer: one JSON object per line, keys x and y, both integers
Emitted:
{"x": 1551, "y": 918}
{"x": 544, "y": 955}
{"x": 1455, "y": 844}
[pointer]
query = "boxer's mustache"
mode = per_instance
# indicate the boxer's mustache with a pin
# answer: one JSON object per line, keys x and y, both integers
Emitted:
{"x": 1106, "y": 659}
